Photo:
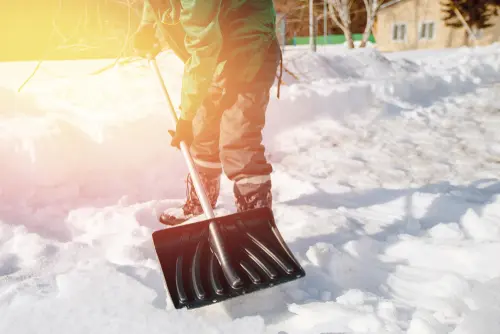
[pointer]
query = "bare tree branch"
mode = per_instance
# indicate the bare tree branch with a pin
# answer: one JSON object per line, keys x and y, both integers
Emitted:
{"x": 462, "y": 19}
{"x": 340, "y": 13}
{"x": 372, "y": 8}
{"x": 39, "y": 64}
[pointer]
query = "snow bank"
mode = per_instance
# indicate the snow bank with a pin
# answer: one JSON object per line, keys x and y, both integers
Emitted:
{"x": 65, "y": 134}
{"x": 346, "y": 84}
{"x": 71, "y": 139}
{"x": 385, "y": 186}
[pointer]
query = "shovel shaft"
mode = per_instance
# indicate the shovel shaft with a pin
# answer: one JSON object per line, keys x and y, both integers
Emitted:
{"x": 215, "y": 236}
{"x": 205, "y": 204}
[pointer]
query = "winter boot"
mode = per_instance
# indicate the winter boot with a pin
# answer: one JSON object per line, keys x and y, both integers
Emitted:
{"x": 253, "y": 196}
{"x": 192, "y": 206}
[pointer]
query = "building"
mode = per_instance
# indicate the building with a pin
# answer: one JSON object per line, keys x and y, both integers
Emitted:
{"x": 417, "y": 24}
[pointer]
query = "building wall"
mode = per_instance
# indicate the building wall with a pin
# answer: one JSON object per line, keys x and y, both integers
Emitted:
{"x": 413, "y": 13}
{"x": 430, "y": 11}
{"x": 403, "y": 12}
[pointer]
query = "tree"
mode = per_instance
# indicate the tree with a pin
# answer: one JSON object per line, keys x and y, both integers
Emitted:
{"x": 372, "y": 8}
{"x": 472, "y": 15}
{"x": 297, "y": 21}
{"x": 293, "y": 13}
{"x": 66, "y": 29}
{"x": 340, "y": 13}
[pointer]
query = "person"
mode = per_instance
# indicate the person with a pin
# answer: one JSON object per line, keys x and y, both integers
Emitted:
{"x": 231, "y": 55}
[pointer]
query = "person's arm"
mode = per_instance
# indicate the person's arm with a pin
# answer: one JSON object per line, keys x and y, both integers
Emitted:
{"x": 203, "y": 41}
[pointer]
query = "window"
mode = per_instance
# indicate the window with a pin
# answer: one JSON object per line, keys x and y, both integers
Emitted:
{"x": 427, "y": 30}
{"x": 399, "y": 32}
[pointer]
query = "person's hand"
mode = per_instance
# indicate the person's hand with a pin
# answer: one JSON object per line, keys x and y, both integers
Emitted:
{"x": 145, "y": 42}
{"x": 183, "y": 132}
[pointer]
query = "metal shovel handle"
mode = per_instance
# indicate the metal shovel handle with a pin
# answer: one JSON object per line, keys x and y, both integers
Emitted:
{"x": 205, "y": 203}
{"x": 216, "y": 240}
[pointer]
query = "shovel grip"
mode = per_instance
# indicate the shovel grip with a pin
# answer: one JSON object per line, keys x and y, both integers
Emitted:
{"x": 216, "y": 242}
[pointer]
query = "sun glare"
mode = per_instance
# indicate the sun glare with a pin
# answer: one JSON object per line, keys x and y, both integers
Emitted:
{"x": 65, "y": 29}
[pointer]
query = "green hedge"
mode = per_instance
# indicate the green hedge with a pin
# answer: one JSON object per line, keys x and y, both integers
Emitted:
{"x": 330, "y": 39}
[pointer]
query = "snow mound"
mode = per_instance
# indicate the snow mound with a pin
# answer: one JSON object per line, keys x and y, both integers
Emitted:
{"x": 350, "y": 64}
{"x": 348, "y": 85}
{"x": 385, "y": 188}
{"x": 67, "y": 136}
{"x": 74, "y": 152}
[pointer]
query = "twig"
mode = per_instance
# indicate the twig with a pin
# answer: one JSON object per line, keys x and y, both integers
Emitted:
{"x": 31, "y": 76}
{"x": 123, "y": 50}
{"x": 53, "y": 32}
{"x": 122, "y": 62}
{"x": 291, "y": 73}
{"x": 127, "y": 37}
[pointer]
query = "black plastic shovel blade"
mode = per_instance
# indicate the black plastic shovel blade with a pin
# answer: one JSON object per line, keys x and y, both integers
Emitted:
{"x": 257, "y": 252}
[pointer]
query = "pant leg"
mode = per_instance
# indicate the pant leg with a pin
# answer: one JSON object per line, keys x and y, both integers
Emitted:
{"x": 206, "y": 133}
{"x": 205, "y": 153}
{"x": 241, "y": 150}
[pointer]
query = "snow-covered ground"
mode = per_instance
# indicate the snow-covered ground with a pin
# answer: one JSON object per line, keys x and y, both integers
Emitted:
{"x": 386, "y": 188}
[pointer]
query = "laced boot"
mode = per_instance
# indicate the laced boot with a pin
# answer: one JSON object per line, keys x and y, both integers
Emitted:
{"x": 192, "y": 206}
{"x": 253, "y": 196}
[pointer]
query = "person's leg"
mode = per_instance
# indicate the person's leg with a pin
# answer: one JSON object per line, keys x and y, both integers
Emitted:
{"x": 242, "y": 153}
{"x": 205, "y": 153}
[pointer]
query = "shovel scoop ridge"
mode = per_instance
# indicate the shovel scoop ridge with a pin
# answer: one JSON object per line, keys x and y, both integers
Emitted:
{"x": 256, "y": 251}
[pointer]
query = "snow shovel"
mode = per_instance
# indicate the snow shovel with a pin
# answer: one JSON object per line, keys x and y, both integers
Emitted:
{"x": 222, "y": 257}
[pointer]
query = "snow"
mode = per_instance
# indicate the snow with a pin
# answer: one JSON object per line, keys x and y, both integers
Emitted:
{"x": 386, "y": 189}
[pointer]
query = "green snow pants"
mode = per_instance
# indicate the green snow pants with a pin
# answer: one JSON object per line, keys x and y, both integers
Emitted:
{"x": 228, "y": 127}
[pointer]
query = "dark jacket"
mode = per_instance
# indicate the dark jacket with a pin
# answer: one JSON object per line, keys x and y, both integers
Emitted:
{"x": 213, "y": 37}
